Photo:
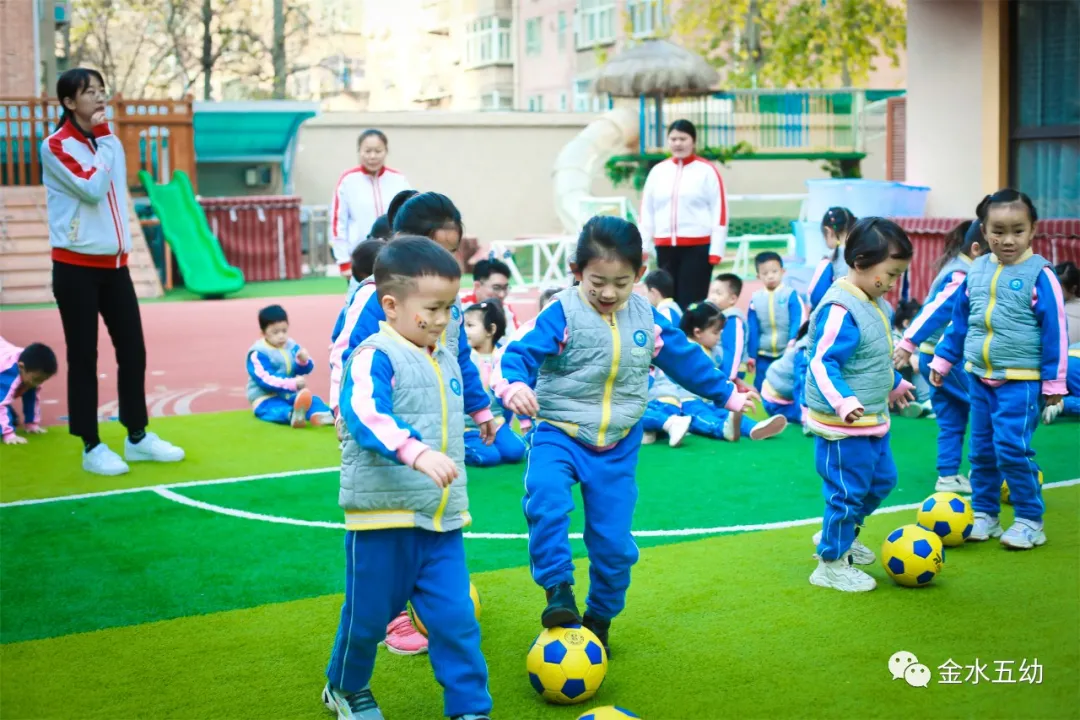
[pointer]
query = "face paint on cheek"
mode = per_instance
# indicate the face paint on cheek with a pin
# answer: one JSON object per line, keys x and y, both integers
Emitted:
{"x": 420, "y": 322}
{"x": 877, "y": 282}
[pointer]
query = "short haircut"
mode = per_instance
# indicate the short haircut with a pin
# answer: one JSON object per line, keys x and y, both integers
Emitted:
{"x": 272, "y": 314}
{"x": 407, "y": 258}
{"x": 380, "y": 229}
{"x": 733, "y": 281}
{"x": 548, "y": 294}
{"x": 38, "y": 357}
{"x": 488, "y": 267}
{"x": 768, "y": 256}
{"x": 661, "y": 281}
{"x": 363, "y": 257}
{"x": 906, "y": 312}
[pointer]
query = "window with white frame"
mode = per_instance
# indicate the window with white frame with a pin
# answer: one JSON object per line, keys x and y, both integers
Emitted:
{"x": 595, "y": 23}
{"x": 646, "y": 17}
{"x": 562, "y": 28}
{"x": 487, "y": 42}
{"x": 496, "y": 100}
{"x": 532, "y": 36}
{"x": 536, "y": 103}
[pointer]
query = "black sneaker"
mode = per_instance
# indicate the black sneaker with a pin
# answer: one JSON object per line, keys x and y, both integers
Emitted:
{"x": 359, "y": 705}
{"x": 561, "y": 608}
{"x": 599, "y": 629}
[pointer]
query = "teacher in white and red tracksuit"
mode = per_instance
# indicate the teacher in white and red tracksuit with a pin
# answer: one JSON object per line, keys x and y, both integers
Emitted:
{"x": 85, "y": 178}
{"x": 684, "y": 215}
{"x": 362, "y": 195}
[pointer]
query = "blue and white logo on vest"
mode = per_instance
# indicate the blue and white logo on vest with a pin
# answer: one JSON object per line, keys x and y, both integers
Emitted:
{"x": 640, "y": 338}
{"x": 1016, "y": 284}
{"x": 455, "y": 386}
{"x": 455, "y": 313}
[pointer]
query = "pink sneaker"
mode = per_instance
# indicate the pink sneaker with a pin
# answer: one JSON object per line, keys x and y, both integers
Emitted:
{"x": 404, "y": 639}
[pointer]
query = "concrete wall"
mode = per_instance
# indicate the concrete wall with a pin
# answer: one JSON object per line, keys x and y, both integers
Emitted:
{"x": 497, "y": 166}
{"x": 17, "y": 32}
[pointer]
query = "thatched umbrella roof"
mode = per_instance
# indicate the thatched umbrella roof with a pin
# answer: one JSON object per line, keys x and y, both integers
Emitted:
{"x": 656, "y": 67}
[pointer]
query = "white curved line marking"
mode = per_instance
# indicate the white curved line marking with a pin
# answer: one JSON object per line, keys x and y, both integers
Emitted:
{"x": 162, "y": 400}
{"x": 183, "y": 405}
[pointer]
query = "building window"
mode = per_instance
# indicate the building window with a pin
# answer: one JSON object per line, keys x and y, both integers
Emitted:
{"x": 585, "y": 100}
{"x": 646, "y": 17}
{"x": 562, "y": 28}
{"x": 536, "y": 103}
{"x": 595, "y": 23}
{"x": 496, "y": 100}
{"x": 563, "y": 104}
{"x": 532, "y": 36}
{"x": 487, "y": 42}
{"x": 1044, "y": 138}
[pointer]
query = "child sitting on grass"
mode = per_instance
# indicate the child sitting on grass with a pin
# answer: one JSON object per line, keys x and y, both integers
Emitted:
{"x": 485, "y": 326}
{"x": 276, "y": 365}
{"x": 22, "y": 372}
{"x": 906, "y": 311}
{"x": 782, "y": 392}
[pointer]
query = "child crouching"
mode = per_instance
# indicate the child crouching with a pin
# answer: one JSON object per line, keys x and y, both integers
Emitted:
{"x": 22, "y": 372}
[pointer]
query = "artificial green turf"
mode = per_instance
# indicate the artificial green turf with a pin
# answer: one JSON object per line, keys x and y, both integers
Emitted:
{"x": 723, "y": 627}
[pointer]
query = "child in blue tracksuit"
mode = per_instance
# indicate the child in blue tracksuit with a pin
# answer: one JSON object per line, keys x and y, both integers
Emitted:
{"x": 403, "y": 489}
{"x": 775, "y": 316}
{"x": 734, "y": 356}
{"x": 485, "y": 325}
{"x": 950, "y": 401}
{"x": 22, "y": 372}
{"x": 1070, "y": 404}
{"x": 660, "y": 290}
{"x": 276, "y": 366}
{"x": 363, "y": 264}
{"x": 836, "y": 225}
{"x": 1008, "y": 327}
{"x": 781, "y": 393}
{"x": 849, "y": 387}
{"x": 590, "y": 352}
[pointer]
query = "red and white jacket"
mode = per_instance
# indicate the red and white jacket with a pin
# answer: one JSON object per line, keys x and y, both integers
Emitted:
{"x": 359, "y": 199}
{"x": 683, "y": 204}
{"x": 86, "y": 197}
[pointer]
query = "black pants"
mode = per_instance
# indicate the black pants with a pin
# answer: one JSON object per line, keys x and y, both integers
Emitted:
{"x": 81, "y": 293}
{"x": 690, "y": 268}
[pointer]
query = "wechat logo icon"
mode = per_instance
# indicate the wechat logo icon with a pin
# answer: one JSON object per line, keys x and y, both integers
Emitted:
{"x": 904, "y": 665}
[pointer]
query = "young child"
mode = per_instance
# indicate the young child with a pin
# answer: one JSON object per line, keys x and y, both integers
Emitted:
{"x": 590, "y": 352}
{"x": 906, "y": 311}
{"x": 1070, "y": 404}
{"x": 485, "y": 326}
{"x": 781, "y": 392}
{"x": 1069, "y": 277}
{"x": 1009, "y": 328}
{"x": 276, "y": 366}
{"x": 22, "y": 372}
{"x": 950, "y": 402}
{"x": 702, "y": 324}
{"x": 660, "y": 289}
{"x": 403, "y": 489}
{"x": 835, "y": 226}
{"x": 849, "y": 388}
{"x": 724, "y": 293}
{"x": 363, "y": 264}
{"x": 776, "y": 312}
{"x": 491, "y": 280}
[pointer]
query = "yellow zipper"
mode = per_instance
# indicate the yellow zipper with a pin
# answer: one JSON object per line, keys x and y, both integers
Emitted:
{"x": 609, "y": 386}
{"x": 986, "y": 319}
{"x": 772, "y": 318}
{"x": 437, "y": 520}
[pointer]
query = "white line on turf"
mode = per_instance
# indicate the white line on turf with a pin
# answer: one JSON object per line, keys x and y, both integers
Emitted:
{"x": 164, "y": 492}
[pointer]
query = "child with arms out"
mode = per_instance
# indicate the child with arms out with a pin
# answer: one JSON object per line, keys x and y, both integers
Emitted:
{"x": 589, "y": 353}
{"x": 403, "y": 489}
{"x": 276, "y": 366}
{"x": 776, "y": 313}
{"x": 1008, "y": 328}
{"x": 849, "y": 387}
{"x": 22, "y": 372}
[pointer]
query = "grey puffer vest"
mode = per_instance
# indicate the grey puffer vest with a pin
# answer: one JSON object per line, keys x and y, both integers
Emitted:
{"x": 961, "y": 263}
{"x": 773, "y": 321}
{"x": 869, "y": 372}
{"x": 281, "y": 361}
{"x": 781, "y": 374}
{"x": 1004, "y": 341}
{"x": 597, "y": 388}
{"x": 378, "y": 493}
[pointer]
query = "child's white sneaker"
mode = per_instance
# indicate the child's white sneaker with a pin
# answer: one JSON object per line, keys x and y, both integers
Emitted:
{"x": 1024, "y": 535}
{"x": 153, "y": 449}
{"x": 648, "y": 438}
{"x": 103, "y": 461}
{"x": 359, "y": 705}
{"x": 860, "y": 554}
{"x": 729, "y": 426}
{"x": 1051, "y": 412}
{"x": 768, "y": 428}
{"x": 953, "y": 484}
{"x": 841, "y": 575}
{"x": 676, "y": 427}
{"x": 984, "y": 528}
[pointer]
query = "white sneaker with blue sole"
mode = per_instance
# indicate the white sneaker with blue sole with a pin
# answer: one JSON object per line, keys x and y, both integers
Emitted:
{"x": 359, "y": 705}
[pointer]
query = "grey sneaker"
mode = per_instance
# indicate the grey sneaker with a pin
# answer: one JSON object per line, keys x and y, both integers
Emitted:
{"x": 1023, "y": 535}
{"x": 954, "y": 484}
{"x": 984, "y": 528}
{"x": 359, "y": 705}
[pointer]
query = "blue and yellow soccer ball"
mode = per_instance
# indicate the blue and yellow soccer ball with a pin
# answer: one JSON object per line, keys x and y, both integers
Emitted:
{"x": 948, "y": 516}
{"x": 419, "y": 624}
{"x": 912, "y": 555}
{"x": 566, "y": 664}
{"x": 1005, "y": 496}
{"x": 608, "y": 712}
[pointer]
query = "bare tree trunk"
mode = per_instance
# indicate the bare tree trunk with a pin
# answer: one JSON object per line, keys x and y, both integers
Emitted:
{"x": 278, "y": 50}
{"x": 207, "y": 49}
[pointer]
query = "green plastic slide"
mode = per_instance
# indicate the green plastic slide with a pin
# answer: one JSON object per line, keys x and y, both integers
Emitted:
{"x": 198, "y": 253}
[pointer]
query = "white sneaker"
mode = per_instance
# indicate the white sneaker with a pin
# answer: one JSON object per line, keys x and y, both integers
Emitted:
{"x": 103, "y": 461}
{"x": 860, "y": 554}
{"x": 953, "y": 484}
{"x": 729, "y": 427}
{"x": 768, "y": 428}
{"x": 359, "y": 705}
{"x": 1050, "y": 412}
{"x": 1023, "y": 535}
{"x": 841, "y": 575}
{"x": 984, "y": 528}
{"x": 676, "y": 427}
{"x": 648, "y": 438}
{"x": 806, "y": 430}
{"x": 152, "y": 448}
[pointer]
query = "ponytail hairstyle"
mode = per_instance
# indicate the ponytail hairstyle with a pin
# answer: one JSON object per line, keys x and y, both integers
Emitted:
{"x": 396, "y": 203}
{"x": 957, "y": 242}
{"x": 492, "y": 317}
{"x": 1069, "y": 277}
{"x": 424, "y": 214}
{"x": 701, "y": 316}
{"x": 607, "y": 236}
{"x": 874, "y": 240}
{"x": 839, "y": 220}
{"x": 69, "y": 86}
{"x": 1006, "y": 196}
